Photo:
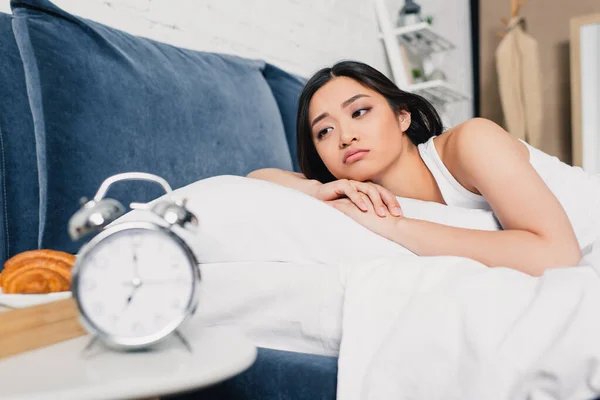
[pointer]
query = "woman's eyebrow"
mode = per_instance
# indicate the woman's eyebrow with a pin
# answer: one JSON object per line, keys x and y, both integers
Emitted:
{"x": 345, "y": 104}
{"x": 352, "y": 99}
{"x": 317, "y": 119}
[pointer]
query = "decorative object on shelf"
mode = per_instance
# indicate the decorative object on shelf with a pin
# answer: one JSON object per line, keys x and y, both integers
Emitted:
{"x": 422, "y": 40}
{"x": 418, "y": 75}
{"x": 436, "y": 75}
{"x": 409, "y": 14}
{"x": 519, "y": 70}
{"x": 438, "y": 92}
{"x": 136, "y": 282}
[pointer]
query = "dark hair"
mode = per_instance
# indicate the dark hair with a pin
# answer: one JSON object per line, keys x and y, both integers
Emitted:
{"x": 425, "y": 121}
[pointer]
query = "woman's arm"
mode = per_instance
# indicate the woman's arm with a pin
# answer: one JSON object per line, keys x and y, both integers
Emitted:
{"x": 521, "y": 250}
{"x": 360, "y": 193}
{"x": 294, "y": 180}
{"x": 537, "y": 232}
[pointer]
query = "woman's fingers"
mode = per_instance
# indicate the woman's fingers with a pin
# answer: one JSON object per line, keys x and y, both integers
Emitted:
{"x": 390, "y": 201}
{"x": 375, "y": 197}
{"x": 357, "y": 198}
{"x": 343, "y": 188}
{"x": 366, "y": 200}
{"x": 382, "y": 199}
{"x": 363, "y": 195}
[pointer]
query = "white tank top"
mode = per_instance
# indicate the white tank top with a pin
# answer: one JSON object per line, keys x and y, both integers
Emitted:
{"x": 576, "y": 190}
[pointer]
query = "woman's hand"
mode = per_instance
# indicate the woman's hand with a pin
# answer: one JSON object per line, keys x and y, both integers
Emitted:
{"x": 364, "y": 195}
{"x": 385, "y": 227}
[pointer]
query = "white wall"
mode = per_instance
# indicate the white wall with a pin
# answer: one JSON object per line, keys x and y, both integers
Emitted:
{"x": 300, "y": 36}
{"x": 590, "y": 97}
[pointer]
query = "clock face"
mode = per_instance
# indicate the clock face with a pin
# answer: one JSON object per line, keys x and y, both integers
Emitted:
{"x": 135, "y": 285}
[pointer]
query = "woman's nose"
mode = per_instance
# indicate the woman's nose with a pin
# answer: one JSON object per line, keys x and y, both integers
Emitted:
{"x": 347, "y": 136}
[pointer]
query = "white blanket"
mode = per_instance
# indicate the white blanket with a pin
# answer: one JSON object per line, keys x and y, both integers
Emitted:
{"x": 408, "y": 327}
{"x": 451, "y": 328}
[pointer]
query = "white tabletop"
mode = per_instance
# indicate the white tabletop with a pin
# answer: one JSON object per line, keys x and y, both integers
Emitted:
{"x": 63, "y": 371}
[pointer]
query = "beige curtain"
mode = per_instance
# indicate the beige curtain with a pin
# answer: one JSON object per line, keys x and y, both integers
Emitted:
{"x": 518, "y": 65}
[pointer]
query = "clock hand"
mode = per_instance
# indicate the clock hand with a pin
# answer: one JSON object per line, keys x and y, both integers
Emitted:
{"x": 131, "y": 296}
{"x": 136, "y": 283}
{"x": 136, "y": 273}
{"x": 129, "y": 299}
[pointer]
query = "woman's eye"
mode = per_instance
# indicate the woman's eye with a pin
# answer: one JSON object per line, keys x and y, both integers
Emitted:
{"x": 360, "y": 113}
{"x": 323, "y": 133}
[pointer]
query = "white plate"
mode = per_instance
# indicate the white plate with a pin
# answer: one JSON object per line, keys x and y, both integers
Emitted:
{"x": 28, "y": 300}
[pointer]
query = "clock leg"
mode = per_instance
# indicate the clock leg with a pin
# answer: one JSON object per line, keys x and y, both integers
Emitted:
{"x": 88, "y": 347}
{"x": 183, "y": 340}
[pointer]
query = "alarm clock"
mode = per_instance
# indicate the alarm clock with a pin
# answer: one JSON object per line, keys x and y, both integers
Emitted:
{"x": 135, "y": 283}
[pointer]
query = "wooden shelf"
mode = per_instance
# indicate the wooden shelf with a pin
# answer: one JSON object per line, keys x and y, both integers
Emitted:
{"x": 438, "y": 92}
{"x": 421, "y": 38}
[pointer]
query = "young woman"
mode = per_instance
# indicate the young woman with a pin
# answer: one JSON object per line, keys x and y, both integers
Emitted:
{"x": 362, "y": 141}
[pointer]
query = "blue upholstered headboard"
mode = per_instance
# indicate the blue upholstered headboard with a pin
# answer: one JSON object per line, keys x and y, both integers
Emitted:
{"x": 19, "y": 196}
{"x": 82, "y": 101}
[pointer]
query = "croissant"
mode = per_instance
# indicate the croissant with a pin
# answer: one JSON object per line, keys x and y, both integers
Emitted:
{"x": 37, "y": 272}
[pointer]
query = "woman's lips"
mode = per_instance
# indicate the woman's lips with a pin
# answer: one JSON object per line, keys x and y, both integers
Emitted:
{"x": 356, "y": 156}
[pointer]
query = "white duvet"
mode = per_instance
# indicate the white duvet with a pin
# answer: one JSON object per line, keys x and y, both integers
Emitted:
{"x": 450, "y": 328}
{"x": 295, "y": 274}
{"x": 421, "y": 327}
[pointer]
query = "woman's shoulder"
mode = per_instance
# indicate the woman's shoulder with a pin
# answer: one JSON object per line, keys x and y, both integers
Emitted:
{"x": 476, "y": 136}
{"x": 463, "y": 131}
{"x": 474, "y": 126}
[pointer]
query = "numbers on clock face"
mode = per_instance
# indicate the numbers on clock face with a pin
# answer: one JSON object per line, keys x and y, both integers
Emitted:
{"x": 97, "y": 308}
{"x": 176, "y": 304}
{"x": 100, "y": 262}
{"x": 136, "y": 239}
{"x": 137, "y": 327}
{"x": 88, "y": 285}
{"x": 134, "y": 283}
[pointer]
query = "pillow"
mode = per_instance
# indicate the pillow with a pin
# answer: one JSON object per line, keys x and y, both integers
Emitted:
{"x": 105, "y": 102}
{"x": 245, "y": 219}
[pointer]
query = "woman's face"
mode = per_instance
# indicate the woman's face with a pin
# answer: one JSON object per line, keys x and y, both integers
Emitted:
{"x": 346, "y": 117}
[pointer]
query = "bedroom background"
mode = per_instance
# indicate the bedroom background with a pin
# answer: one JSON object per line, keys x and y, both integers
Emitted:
{"x": 548, "y": 22}
{"x": 303, "y": 36}
{"x": 299, "y": 36}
